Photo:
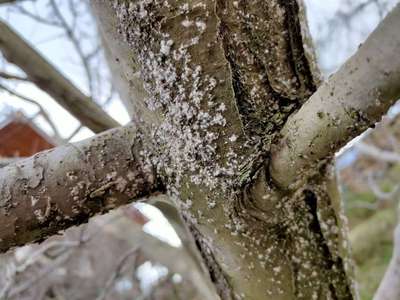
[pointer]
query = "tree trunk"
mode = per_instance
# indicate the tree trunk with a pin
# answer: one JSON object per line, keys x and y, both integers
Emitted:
{"x": 212, "y": 83}
{"x": 218, "y": 90}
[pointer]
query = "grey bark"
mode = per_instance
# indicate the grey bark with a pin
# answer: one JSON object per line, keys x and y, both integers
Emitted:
{"x": 39, "y": 71}
{"x": 65, "y": 186}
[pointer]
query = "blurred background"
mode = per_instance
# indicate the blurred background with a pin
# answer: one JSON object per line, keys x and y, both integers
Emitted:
{"x": 134, "y": 252}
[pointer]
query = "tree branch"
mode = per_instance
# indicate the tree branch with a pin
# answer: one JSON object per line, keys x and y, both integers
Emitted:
{"x": 56, "y": 189}
{"x": 12, "y": 76}
{"x": 344, "y": 106}
{"x": 7, "y": 1}
{"x": 390, "y": 285}
{"x": 378, "y": 154}
{"x": 45, "y": 76}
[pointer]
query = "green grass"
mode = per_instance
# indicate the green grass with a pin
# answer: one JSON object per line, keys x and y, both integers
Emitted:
{"x": 372, "y": 230}
{"x": 371, "y": 271}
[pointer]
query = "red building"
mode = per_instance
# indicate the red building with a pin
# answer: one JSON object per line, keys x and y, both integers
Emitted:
{"x": 20, "y": 137}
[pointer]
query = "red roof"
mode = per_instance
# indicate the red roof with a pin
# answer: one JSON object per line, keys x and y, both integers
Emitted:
{"x": 19, "y": 137}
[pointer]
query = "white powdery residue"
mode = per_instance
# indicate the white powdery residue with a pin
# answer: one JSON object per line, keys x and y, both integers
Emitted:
{"x": 142, "y": 12}
{"x": 34, "y": 200}
{"x": 184, "y": 8}
{"x": 201, "y": 26}
{"x": 166, "y": 4}
{"x": 233, "y": 138}
{"x": 253, "y": 92}
{"x": 185, "y": 141}
{"x": 200, "y": 5}
{"x": 187, "y": 23}
{"x": 221, "y": 107}
{"x": 165, "y": 47}
{"x": 121, "y": 184}
{"x": 76, "y": 190}
{"x": 194, "y": 41}
{"x": 219, "y": 120}
{"x": 211, "y": 203}
{"x": 277, "y": 269}
{"x": 71, "y": 176}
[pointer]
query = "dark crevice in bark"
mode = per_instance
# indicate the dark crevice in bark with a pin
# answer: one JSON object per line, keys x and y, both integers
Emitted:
{"x": 310, "y": 200}
{"x": 334, "y": 267}
{"x": 298, "y": 61}
{"x": 264, "y": 108}
{"x": 217, "y": 275}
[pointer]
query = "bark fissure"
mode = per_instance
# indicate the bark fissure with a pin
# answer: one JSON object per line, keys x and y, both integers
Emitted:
{"x": 217, "y": 275}
{"x": 250, "y": 43}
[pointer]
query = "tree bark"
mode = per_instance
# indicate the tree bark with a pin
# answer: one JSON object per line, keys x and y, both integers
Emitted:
{"x": 59, "y": 188}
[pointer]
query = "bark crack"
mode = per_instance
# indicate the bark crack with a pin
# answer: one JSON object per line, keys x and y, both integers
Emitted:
{"x": 217, "y": 275}
{"x": 271, "y": 77}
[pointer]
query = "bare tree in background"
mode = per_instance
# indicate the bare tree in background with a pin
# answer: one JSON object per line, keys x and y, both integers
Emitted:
{"x": 72, "y": 21}
{"x": 231, "y": 122}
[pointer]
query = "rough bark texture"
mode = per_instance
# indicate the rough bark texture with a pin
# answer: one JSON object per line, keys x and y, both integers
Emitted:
{"x": 46, "y": 77}
{"x": 58, "y": 188}
{"x": 212, "y": 83}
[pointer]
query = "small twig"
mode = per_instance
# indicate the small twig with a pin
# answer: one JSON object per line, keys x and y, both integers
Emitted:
{"x": 35, "y": 17}
{"x": 41, "y": 109}
{"x": 379, "y": 154}
{"x": 53, "y": 244}
{"x": 116, "y": 273}
{"x": 43, "y": 273}
{"x": 12, "y": 76}
{"x": 381, "y": 195}
{"x": 75, "y": 132}
{"x": 76, "y": 44}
